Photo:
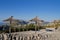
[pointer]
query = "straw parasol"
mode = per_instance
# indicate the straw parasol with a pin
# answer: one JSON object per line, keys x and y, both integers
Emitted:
{"x": 37, "y": 21}
{"x": 11, "y": 20}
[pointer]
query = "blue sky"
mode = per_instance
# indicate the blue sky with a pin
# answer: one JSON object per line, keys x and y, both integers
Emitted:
{"x": 47, "y": 10}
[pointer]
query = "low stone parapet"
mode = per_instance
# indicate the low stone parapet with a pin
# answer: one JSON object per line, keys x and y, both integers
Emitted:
{"x": 31, "y": 36}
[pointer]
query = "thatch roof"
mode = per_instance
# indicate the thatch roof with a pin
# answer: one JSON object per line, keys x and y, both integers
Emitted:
{"x": 11, "y": 19}
{"x": 36, "y": 19}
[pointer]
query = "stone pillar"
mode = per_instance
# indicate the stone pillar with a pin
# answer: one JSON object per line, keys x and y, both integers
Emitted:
{"x": 20, "y": 38}
{"x": 35, "y": 37}
{"x": 31, "y": 37}
{"x": 23, "y": 38}
{"x": 16, "y": 37}
{"x": 38, "y": 38}
{"x": 13, "y": 37}
{"x": 27, "y": 37}
{"x": 0, "y": 36}
{"x": 5, "y": 37}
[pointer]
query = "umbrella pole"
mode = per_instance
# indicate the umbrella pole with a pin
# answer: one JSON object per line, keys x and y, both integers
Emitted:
{"x": 10, "y": 27}
{"x": 35, "y": 28}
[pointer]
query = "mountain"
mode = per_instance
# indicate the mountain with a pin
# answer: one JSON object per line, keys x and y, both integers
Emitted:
{"x": 23, "y": 22}
{"x": 44, "y": 23}
{"x": 2, "y": 23}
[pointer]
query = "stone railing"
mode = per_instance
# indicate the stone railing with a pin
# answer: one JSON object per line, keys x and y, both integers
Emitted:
{"x": 31, "y": 36}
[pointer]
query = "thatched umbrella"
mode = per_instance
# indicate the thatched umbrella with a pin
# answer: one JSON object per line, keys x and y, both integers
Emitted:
{"x": 37, "y": 21}
{"x": 11, "y": 22}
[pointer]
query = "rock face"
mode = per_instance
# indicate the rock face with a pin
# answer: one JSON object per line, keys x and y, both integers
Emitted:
{"x": 31, "y": 35}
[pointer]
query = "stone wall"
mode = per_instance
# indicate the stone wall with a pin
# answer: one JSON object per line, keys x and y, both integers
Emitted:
{"x": 31, "y": 36}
